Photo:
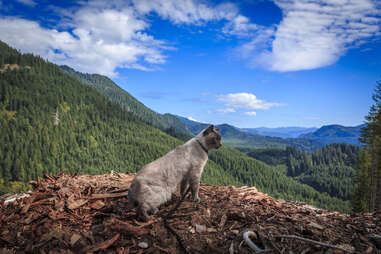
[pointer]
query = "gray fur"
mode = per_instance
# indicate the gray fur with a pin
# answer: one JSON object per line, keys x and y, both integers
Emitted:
{"x": 155, "y": 183}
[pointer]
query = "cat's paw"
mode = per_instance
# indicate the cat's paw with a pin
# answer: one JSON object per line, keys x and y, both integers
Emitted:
{"x": 154, "y": 210}
{"x": 196, "y": 200}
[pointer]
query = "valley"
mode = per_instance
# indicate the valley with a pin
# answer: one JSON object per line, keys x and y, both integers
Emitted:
{"x": 58, "y": 121}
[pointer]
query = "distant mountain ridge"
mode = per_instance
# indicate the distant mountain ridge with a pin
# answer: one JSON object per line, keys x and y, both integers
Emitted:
{"x": 107, "y": 87}
{"x": 257, "y": 138}
{"x": 336, "y": 134}
{"x": 237, "y": 137}
{"x": 282, "y": 132}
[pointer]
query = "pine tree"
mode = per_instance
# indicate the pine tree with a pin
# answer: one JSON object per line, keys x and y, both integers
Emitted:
{"x": 361, "y": 194}
{"x": 371, "y": 137}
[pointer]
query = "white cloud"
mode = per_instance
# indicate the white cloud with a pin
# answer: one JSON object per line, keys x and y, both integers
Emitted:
{"x": 106, "y": 35}
{"x": 187, "y": 11}
{"x": 240, "y": 26}
{"x": 246, "y": 101}
{"x": 314, "y": 33}
{"x": 198, "y": 12}
{"x": 27, "y": 2}
{"x": 251, "y": 113}
{"x": 101, "y": 41}
{"x": 225, "y": 110}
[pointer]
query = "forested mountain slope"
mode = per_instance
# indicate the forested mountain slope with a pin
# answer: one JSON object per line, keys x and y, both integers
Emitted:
{"x": 107, "y": 87}
{"x": 51, "y": 122}
{"x": 330, "y": 169}
{"x": 336, "y": 134}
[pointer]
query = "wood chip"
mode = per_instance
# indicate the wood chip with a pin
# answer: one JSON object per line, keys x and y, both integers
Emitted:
{"x": 110, "y": 195}
{"x": 77, "y": 204}
{"x": 74, "y": 239}
{"x": 104, "y": 245}
{"x": 82, "y": 213}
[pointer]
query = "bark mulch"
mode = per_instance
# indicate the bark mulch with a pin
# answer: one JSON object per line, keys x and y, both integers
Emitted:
{"x": 90, "y": 214}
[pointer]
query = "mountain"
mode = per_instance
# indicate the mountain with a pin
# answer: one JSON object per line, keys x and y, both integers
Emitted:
{"x": 335, "y": 134}
{"x": 107, "y": 87}
{"x": 281, "y": 132}
{"x": 239, "y": 138}
{"x": 51, "y": 122}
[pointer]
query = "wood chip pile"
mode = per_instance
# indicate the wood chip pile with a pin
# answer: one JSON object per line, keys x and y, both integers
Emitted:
{"x": 90, "y": 214}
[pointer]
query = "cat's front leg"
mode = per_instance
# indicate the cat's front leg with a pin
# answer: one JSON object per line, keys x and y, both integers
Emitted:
{"x": 183, "y": 186}
{"x": 195, "y": 186}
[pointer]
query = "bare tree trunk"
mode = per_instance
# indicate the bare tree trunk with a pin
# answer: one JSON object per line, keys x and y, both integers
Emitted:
{"x": 56, "y": 118}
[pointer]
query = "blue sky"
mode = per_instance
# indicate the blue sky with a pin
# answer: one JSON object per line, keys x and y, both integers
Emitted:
{"x": 247, "y": 63}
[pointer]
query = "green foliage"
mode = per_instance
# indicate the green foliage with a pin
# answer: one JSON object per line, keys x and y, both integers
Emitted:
{"x": 93, "y": 135}
{"x": 274, "y": 157}
{"x": 329, "y": 169}
{"x": 13, "y": 187}
{"x": 360, "y": 199}
{"x": 107, "y": 87}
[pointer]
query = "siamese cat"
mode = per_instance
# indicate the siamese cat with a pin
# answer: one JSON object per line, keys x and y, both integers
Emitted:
{"x": 155, "y": 183}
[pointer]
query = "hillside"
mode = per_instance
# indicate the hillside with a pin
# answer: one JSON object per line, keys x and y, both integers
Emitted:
{"x": 88, "y": 214}
{"x": 329, "y": 169}
{"x": 336, "y": 134}
{"x": 107, "y": 87}
{"x": 51, "y": 122}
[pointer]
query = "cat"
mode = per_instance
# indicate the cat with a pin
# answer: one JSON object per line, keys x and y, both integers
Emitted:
{"x": 155, "y": 183}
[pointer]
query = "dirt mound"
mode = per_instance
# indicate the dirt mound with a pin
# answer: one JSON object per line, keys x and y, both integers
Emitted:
{"x": 12, "y": 67}
{"x": 87, "y": 214}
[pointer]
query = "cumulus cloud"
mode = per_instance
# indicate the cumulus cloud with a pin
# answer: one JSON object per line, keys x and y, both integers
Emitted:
{"x": 315, "y": 33}
{"x": 101, "y": 40}
{"x": 101, "y": 36}
{"x": 240, "y": 26}
{"x": 225, "y": 110}
{"x": 246, "y": 101}
{"x": 251, "y": 113}
{"x": 187, "y": 11}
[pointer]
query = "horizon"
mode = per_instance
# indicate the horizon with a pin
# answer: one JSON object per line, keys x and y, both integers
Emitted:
{"x": 250, "y": 64}
{"x": 279, "y": 127}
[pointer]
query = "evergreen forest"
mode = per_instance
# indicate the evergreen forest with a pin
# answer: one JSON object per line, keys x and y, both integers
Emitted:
{"x": 329, "y": 169}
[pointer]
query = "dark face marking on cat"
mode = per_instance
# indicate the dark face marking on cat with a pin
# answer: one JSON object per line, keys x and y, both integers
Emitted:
{"x": 213, "y": 139}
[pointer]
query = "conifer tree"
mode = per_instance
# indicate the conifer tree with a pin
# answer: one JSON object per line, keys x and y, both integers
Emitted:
{"x": 371, "y": 137}
{"x": 361, "y": 194}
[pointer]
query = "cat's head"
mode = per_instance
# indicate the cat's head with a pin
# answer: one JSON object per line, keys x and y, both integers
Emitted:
{"x": 211, "y": 138}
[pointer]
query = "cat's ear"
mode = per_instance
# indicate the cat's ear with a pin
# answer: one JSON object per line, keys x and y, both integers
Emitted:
{"x": 208, "y": 130}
